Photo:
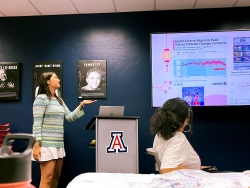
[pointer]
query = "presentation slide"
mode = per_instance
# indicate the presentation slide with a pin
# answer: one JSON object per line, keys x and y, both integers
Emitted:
{"x": 203, "y": 68}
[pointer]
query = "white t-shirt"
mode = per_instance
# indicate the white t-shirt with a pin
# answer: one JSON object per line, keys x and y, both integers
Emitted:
{"x": 176, "y": 151}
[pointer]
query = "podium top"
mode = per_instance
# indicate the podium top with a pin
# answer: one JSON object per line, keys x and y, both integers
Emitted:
{"x": 91, "y": 124}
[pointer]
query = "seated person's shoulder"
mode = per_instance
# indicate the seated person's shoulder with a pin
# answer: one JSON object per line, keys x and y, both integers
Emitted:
{"x": 178, "y": 137}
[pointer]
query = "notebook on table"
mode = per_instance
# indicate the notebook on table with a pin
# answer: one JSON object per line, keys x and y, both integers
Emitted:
{"x": 115, "y": 111}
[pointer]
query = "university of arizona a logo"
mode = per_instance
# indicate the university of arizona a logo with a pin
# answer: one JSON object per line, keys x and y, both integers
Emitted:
{"x": 116, "y": 144}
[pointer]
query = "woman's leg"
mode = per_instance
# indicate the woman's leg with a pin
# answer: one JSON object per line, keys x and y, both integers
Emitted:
{"x": 47, "y": 173}
{"x": 57, "y": 173}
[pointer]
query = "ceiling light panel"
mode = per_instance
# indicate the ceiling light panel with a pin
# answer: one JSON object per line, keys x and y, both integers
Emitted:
{"x": 241, "y": 3}
{"x": 214, "y": 3}
{"x": 94, "y": 6}
{"x": 174, "y": 4}
{"x": 134, "y": 5}
{"x": 17, "y": 8}
{"x": 54, "y": 7}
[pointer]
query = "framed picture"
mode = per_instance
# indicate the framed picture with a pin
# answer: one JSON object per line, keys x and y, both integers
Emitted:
{"x": 92, "y": 82}
{"x": 9, "y": 80}
{"x": 47, "y": 66}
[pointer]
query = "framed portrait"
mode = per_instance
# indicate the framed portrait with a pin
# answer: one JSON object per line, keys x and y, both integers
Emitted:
{"x": 47, "y": 66}
{"x": 9, "y": 80}
{"x": 92, "y": 82}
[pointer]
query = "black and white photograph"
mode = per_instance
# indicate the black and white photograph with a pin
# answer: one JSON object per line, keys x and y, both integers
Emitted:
{"x": 92, "y": 83}
{"x": 47, "y": 66}
{"x": 9, "y": 80}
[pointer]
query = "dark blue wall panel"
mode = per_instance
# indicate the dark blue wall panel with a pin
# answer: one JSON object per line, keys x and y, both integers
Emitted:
{"x": 220, "y": 134}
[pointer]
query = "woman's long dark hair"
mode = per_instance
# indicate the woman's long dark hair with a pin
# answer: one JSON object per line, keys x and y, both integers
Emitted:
{"x": 170, "y": 118}
{"x": 44, "y": 87}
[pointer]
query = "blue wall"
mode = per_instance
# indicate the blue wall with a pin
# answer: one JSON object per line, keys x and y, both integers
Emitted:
{"x": 220, "y": 134}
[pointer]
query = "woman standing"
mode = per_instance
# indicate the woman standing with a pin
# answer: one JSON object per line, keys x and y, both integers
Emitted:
{"x": 49, "y": 112}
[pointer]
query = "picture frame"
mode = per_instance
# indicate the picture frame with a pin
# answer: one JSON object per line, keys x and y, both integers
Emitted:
{"x": 47, "y": 66}
{"x": 92, "y": 79}
{"x": 10, "y": 80}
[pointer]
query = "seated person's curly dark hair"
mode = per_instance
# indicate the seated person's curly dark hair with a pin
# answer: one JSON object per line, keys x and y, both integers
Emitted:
{"x": 170, "y": 118}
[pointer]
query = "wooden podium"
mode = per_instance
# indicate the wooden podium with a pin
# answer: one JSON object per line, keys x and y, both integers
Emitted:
{"x": 116, "y": 143}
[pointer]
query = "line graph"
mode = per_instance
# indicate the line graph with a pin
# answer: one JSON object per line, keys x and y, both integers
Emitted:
{"x": 200, "y": 67}
{"x": 240, "y": 87}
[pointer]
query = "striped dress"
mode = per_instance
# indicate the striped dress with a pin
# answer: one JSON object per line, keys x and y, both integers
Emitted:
{"x": 48, "y": 120}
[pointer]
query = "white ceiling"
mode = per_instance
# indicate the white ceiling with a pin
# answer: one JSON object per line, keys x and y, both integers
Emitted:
{"x": 11, "y": 8}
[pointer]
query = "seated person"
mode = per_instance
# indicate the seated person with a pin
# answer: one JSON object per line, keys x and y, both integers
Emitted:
{"x": 174, "y": 150}
{"x": 188, "y": 99}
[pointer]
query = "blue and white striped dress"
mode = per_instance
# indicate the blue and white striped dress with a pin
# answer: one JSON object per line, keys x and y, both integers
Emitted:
{"x": 48, "y": 125}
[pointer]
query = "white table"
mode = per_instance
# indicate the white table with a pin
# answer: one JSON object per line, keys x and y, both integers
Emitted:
{"x": 177, "y": 179}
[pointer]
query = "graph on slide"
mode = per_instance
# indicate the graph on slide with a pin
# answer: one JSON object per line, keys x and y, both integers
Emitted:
{"x": 200, "y": 67}
{"x": 239, "y": 92}
{"x": 240, "y": 87}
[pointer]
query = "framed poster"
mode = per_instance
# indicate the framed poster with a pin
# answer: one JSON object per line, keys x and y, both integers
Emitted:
{"x": 92, "y": 82}
{"x": 9, "y": 80}
{"x": 47, "y": 66}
